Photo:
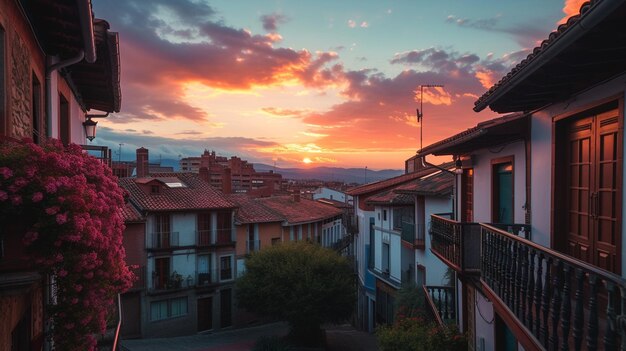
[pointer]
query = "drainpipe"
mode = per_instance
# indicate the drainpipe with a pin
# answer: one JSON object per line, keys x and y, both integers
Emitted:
{"x": 88, "y": 53}
{"x": 49, "y": 71}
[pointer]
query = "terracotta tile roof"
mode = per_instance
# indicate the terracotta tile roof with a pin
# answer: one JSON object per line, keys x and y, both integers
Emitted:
{"x": 438, "y": 184}
{"x": 196, "y": 194}
{"x": 390, "y": 197}
{"x": 302, "y": 211}
{"x": 252, "y": 211}
{"x": 598, "y": 9}
{"x": 481, "y": 130}
{"x": 391, "y": 182}
{"x": 130, "y": 214}
{"x": 335, "y": 203}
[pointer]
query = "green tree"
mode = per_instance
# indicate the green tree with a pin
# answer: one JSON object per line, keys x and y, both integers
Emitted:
{"x": 299, "y": 282}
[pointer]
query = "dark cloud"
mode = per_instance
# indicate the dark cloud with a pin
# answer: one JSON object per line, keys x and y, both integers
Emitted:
{"x": 160, "y": 54}
{"x": 271, "y": 21}
{"x": 525, "y": 35}
{"x": 173, "y": 148}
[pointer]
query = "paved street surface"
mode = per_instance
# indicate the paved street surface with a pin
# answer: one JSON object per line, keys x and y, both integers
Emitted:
{"x": 339, "y": 338}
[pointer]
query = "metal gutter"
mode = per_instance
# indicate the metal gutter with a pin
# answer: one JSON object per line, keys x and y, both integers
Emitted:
{"x": 86, "y": 23}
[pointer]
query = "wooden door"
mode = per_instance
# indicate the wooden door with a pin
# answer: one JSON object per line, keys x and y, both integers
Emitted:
{"x": 594, "y": 190}
{"x": 467, "y": 195}
{"x": 205, "y": 314}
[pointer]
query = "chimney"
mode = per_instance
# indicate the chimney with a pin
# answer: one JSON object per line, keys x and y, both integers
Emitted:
{"x": 204, "y": 174}
{"x": 142, "y": 162}
{"x": 226, "y": 181}
{"x": 296, "y": 197}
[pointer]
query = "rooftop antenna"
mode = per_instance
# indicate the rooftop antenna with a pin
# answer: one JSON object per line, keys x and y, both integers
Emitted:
{"x": 420, "y": 111}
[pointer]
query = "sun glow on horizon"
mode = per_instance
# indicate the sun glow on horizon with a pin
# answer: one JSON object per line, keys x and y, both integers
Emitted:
{"x": 306, "y": 160}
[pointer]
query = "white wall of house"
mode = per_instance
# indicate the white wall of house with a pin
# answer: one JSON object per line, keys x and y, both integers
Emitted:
{"x": 485, "y": 322}
{"x": 435, "y": 269}
{"x": 482, "y": 180}
{"x": 328, "y": 193}
{"x": 386, "y": 235}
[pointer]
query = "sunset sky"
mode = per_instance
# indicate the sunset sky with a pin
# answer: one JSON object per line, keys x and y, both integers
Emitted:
{"x": 330, "y": 82}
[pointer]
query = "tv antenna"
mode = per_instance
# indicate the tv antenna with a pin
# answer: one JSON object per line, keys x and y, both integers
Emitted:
{"x": 420, "y": 111}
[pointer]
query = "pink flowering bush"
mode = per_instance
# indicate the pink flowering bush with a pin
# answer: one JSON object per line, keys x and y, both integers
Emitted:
{"x": 70, "y": 204}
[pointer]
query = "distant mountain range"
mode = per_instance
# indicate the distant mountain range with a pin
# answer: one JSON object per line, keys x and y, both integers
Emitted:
{"x": 346, "y": 175}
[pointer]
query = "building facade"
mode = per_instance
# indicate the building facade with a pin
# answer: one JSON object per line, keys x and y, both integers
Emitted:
{"x": 56, "y": 64}
{"x": 188, "y": 258}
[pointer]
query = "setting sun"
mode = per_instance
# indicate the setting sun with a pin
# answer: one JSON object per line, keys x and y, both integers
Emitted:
{"x": 306, "y": 160}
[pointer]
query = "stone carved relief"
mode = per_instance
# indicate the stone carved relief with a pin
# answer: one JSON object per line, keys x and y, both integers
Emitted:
{"x": 20, "y": 89}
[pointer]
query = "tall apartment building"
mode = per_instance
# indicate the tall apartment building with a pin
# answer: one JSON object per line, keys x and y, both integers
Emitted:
{"x": 243, "y": 177}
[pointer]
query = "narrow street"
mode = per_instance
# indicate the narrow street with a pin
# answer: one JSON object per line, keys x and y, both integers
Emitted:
{"x": 339, "y": 338}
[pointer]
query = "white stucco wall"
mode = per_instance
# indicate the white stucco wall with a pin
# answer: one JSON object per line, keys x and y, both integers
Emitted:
{"x": 185, "y": 225}
{"x": 485, "y": 321}
{"x": 482, "y": 180}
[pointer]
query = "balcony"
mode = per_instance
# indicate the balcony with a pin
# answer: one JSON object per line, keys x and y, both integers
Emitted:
{"x": 413, "y": 234}
{"x": 555, "y": 301}
{"x": 441, "y": 301}
{"x": 102, "y": 153}
{"x": 212, "y": 238}
{"x": 252, "y": 246}
{"x": 206, "y": 278}
{"x": 457, "y": 244}
{"x": 162, "y": 240}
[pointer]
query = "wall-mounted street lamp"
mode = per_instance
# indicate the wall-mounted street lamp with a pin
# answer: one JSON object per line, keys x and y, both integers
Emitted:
{"x": 90, "y": 128}
{"x": 458, "y": 166}
{"x": 90, "y": 125}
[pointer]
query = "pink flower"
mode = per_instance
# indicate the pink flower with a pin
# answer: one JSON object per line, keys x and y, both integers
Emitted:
{"x": 78, "y": 287}
{"x": 62, "y": 273}
{"x": 52, "y": 210}
{"x": 29, "y": 237}
{"x": 16, "y": 200}
{"x": 37, "y": 197}
{"x": 6, "y": 172}
{"x": 3, "y": 196}
{"x": 61, "y": 218}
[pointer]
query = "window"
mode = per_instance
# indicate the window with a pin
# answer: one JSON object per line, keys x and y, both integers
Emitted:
{"x": 155, "y": 189}
{"x": 253, "y": 243}
{"x": 169, "y": 308}
{"x": 226, "y": 267}
{"x": 384, "y": 215}
{"x": 275, "y": 241}
{"x": 204, "y": 229}
{"x": 161, "y": 231}
{"x": 204, "y": 270}
{"x": 161, "y": 272}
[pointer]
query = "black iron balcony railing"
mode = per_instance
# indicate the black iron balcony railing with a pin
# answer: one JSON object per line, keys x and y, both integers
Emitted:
{"x": 441, "y": 300}
{"x": 458, "y": 243}
{"x": 413, "y": 234}
{"x": 560, "y": 301}
{"x": 342, "y": 244}
{"x": 219, "y": 237}
{"x": 163, "y": 240}
{"x": 455, "y": 243}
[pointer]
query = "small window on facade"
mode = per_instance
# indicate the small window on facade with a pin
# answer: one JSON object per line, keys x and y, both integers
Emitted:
{"x": 275, "y": 241}
{"x": 226, "y": 268}
{"x": 384, "y": 215}
{"x": 170, "y": 308}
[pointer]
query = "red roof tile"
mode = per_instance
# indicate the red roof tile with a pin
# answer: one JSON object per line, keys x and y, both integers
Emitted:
{"x": 196, "y": 194}
{"x": 439, "y": 184}
{"x": 390, "y": 197}
{"x": 392, "y": 182}
{"x": 335, "y": 203}
{"x": 130, "y": 214}
{"x": 301, "y": 211}
{"x": 252, "y": 211}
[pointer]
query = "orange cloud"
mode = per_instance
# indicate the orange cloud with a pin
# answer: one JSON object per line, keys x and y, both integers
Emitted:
{"x": 571, "y": 8}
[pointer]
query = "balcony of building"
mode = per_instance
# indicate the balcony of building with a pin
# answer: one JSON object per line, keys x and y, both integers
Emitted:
{"x": 163, "y": 241}
{"x": 214, "y": 238}
{"x": 551, "y": 300}
{"x": 102, "y": 153}
{"x": 457, "y": 244}
{"x": 413, "y": 234}
{"x": 441, "y": 303}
